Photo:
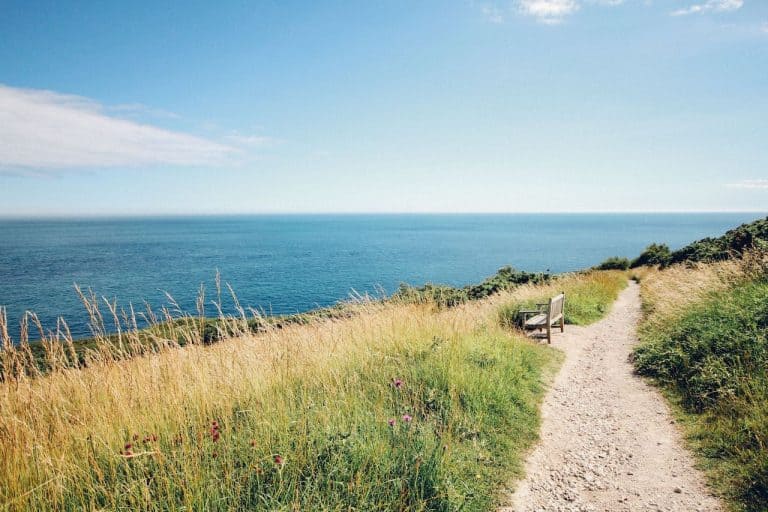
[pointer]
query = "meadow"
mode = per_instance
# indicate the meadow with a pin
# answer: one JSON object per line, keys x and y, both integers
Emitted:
{"x": 397, "y": 406}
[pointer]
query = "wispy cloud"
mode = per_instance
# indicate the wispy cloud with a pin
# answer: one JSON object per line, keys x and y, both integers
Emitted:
{"x": 550, "y": 12}
{"x": 141, "y": 110}
{"x": 249, "y": 141}
{"x": 46, "y": 130}
{"x": 709, "y": 6}
{"x": 750, "y": 184}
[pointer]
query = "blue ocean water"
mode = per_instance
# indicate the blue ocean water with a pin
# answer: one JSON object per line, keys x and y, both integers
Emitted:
{"x": 293, "y": 263}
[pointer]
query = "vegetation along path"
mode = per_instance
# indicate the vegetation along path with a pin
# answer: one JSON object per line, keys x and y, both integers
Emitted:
{"x": 608, "y": 440}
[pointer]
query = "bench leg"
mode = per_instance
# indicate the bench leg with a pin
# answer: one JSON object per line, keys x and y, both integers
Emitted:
{"x": 549, "y": 333}
{"x": 562, "y": 325}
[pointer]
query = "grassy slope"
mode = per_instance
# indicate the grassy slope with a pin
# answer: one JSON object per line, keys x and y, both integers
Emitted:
{"x": 302, "y": 415}
{"x": 176, "y": 328}
{"x": 704, "y": 341}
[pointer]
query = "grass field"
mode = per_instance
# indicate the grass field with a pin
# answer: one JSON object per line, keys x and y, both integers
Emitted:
{"x": 397, "y": 407}
{"x": 705, "y": 342}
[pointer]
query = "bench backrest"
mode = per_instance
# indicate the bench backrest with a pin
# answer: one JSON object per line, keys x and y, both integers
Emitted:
{"x": 556, "y": 305}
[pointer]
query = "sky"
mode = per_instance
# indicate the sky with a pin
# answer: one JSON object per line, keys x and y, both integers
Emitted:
{"x": 197, "y": 107}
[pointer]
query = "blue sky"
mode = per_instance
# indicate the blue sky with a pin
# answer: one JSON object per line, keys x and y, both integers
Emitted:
{"x": 430, "y": 106}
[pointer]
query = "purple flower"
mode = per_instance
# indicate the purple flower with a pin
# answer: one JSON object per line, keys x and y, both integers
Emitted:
{"x": 407, "y": 418}
{"x": 397, "y": 383}
{"x": 391, "y": 422}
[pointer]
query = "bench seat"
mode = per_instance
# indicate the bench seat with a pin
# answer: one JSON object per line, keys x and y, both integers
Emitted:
{"x": 548, "y": 315}
{"x": 536, "y": 321}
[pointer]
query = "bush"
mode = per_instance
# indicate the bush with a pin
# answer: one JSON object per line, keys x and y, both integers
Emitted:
{"x": 614, "y": 263}
{"x": 448, "y": 296}
{"x": 654, "y": 254}
{"x": 734, "y": 242}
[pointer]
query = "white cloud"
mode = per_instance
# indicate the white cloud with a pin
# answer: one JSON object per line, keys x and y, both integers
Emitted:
{"x": 751, "y": 184}
{"x": 709, "y": 6}
{"x": 764, "y": 28}
{"x": 550, "y": 12}
{"x": 46, "y": 130}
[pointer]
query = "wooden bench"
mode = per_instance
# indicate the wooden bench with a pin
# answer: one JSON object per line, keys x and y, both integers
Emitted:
{"x": 547, "y": 315}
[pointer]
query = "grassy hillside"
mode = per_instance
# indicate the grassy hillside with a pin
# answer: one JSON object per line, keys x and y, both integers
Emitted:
{"x": 170, "y": 326}
{"x": 705, "y": 341}
{"x": 400, "y": 406}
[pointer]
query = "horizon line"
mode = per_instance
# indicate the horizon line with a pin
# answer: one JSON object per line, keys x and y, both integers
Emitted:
{"x": 126, "y": 215}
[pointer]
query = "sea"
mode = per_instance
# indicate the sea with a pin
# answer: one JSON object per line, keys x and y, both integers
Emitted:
{"x": 282, "y": 264}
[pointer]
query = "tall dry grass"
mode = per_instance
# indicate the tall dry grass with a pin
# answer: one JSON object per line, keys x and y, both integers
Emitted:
{"x": 668, "y": 293}
{"x": 400, "y": 406}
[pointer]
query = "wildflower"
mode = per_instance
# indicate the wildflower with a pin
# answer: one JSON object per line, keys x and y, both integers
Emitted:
{"x": 407, "y": 418}
{"x": 126, "y": 451}
{"x": 253, "y": 443}
{"x": 397, "y": 383}
{"x": 391, "y": 422}
{"x": 215, "y": 434}
{"x": 278, "y": 460}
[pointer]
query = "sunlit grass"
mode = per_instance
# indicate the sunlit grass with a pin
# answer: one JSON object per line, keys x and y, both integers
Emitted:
{"x": 588, "y": 297}
{"x": 397, "y": 407}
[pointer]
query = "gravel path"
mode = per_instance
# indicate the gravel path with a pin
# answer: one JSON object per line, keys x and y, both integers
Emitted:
{"x": 608, "y": 441}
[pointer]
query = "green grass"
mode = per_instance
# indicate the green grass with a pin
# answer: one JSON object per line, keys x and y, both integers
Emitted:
{"x": 586, "y": 300}
{"x": 713, "y": 364}
{"x": 473, "y": 401}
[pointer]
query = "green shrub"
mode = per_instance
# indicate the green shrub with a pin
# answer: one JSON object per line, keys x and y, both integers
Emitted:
{"x": 448, "y": 296}
{"x": 654, "y": 254}
{"x": 614, "y": 263}
{"x": 733, "y": 243}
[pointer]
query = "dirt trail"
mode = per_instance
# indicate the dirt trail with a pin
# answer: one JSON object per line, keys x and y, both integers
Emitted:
{"x": 608, "y": 440}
